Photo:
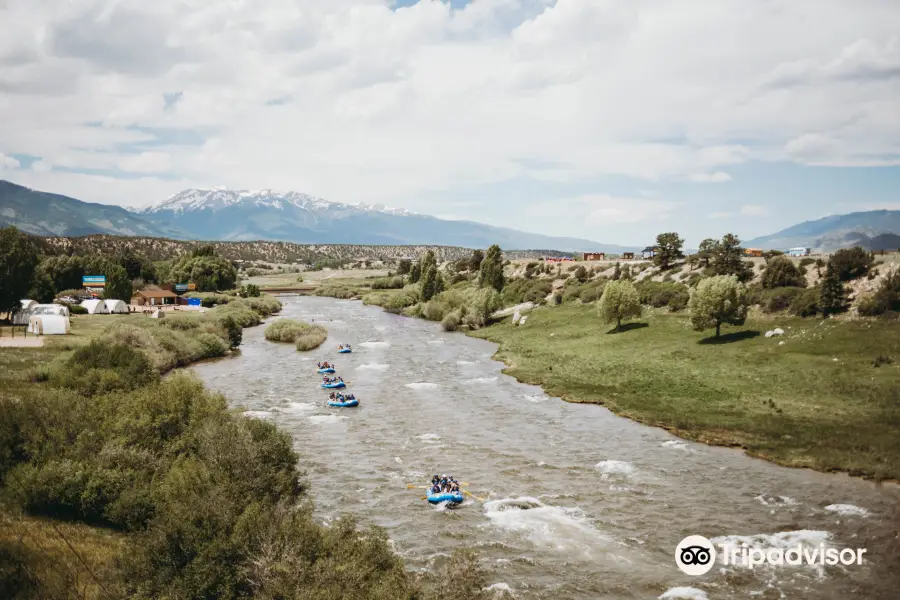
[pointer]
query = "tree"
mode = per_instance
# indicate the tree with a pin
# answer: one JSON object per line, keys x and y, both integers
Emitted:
{"x": 415, "y": 272}
{"x": 403, "y": 267}
{"x": 819, "y": 264}
{"x": 851, "y": 263}
{"x": 728, "y": 258}
{"x": 620, "y": 300}
{"x": 668, "y": 250}
{"x": 18, "y": 261}
{"x": 707, "y": 250}
{"x": 770, "y": 254}
{"x": 118, "y": 284}
{"x": 617, "y": 272}
{"x": 782, "y": 272}
{"x": 475, "y": 260}
{"x": 210, "y": 272}
{"x": 831, "y": 292}
{"x": 580, "y": 274}
{"x": 491, "y": 270}
{"x": 716, "y": 301}
{"x": 431, "y": 283}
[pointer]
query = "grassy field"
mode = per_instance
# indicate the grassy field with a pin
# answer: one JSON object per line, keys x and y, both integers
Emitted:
{"x": 312, "y": 279}
{"x": 814, "y": 401}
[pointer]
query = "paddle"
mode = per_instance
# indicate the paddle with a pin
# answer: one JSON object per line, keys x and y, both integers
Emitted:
{"x": 473, "y": 495}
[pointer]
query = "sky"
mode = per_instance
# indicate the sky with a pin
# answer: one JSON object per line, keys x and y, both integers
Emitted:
{"x": 611, "y": 120}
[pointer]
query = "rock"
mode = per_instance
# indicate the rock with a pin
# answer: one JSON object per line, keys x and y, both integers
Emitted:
{"x": 778, "y": 331}
{"x": 781, "y": 343}
{"x": 522, "y": 321}
{"x": 516, "y": 318}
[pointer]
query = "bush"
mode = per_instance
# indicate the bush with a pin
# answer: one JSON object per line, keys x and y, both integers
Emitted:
{"x": 885, "y": 299}
{"x": 341, "y": 292}
{"x": 102, "y": 366}
{"x": 851, "y": 263}
{"x": 779, "y": 299}
{"x": 660, "y": 294}
{"x": 77, "y": 309}
{"x": 806, "y": 261}
{"x": 451, "y": 322}
{"x": 388, "y": 283}
{"x": 781, "y": 272}
{"x": 806, "y": 304}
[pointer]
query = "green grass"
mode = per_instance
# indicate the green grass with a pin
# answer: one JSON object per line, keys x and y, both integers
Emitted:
{"x": 300, "y": 333}
{"x": 793, "y": 403}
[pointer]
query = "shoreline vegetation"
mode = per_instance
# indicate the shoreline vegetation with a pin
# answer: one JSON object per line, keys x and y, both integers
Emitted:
{"x": 304, "y": 336}
{"x": 122, "y": 483}
{"x": 821, "y": 393}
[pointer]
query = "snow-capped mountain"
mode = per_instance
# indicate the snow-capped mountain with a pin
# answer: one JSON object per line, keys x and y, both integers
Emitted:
{"x": 242, "y": 215}
{"x": 218, "y": 198}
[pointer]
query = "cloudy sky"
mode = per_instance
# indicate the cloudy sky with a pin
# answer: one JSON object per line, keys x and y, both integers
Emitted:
{"x": 606, "y": 119}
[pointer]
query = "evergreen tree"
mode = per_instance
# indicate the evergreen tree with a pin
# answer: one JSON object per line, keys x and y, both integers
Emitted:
{"x": 728, "y": 258}
{"x": 118, "y": 284}
{"x": 831, "y": 292}
{"x": 617, "y": 273}
{"x": 668, "y": 250}
{"x": 782, "y": 272}
{"x": 475, "y": 260}
{"x": 18, "y": 261}
{"x": 491, "y": 271}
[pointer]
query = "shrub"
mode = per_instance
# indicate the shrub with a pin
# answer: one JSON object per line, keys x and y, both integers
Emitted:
{"x": 882, "y": 360}
{"x": 806, "y": 303}
{"x": 434, "y": 310}
{"x": 779, "y": 299}
{"x": 77, "y": 309}
{"x": 781, "y": 272}
{"x": 312, "y": 338}
{"x": 292, "y": 331}
{"x": 660, "y": 294}
{"x": 104, "y": 365}
{"x": 341, "y": 292}
{"x": 885, "y": 299}
{"x": 388, "y": 283}
{"x": 620, "y": 301}
{"x": 212, "y": 346}
{"x": 806, "y": 261}
{"x": 451, "y": 321}
{"x": 851, "y": 263}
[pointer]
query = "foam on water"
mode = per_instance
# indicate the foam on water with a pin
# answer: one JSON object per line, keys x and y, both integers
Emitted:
{"x": 373, "y": 367}
{"x": 327, "y": 419}
{"x": 675, "y": 445}
{"x": 428, "y": 437}
{"x": 436, "y": 342}
{"x": 500, "y": 590}
{"x": 421, "y": 386}
{"x": 553, "y": 527}
{"x": 784, "y": 540}
{"x": 480, "y": 380}
{"x": 535, "y": 398}
{"x": 614, "y": 467}
{"x": 847, "y": 510}
{"x": 258, "y": 414}
{"x": 767, "y": 500}
{"x": 375, "y": 344}
{"x": 465, "y": 362}
{"x": 295, "y": 407}
{"x": 683, "y": 593}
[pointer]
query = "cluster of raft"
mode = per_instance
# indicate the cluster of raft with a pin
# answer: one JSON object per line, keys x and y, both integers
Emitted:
{"x": 337, "y": 399}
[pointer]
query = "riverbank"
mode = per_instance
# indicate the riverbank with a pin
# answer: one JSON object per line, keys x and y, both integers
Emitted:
{"x": 810, "y": 398}
{"x": 122, "y": 483}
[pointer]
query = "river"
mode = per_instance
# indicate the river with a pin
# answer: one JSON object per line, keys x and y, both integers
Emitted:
{"x": 580, "y": 503}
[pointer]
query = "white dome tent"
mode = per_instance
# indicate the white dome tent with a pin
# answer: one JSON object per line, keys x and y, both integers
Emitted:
{"x": 21, "y": 316}
{"x": 95, "y": 307}
{"x": 116, "y": 307}
{"x": 50, "y": 309}
{"x": 48, "y": 325}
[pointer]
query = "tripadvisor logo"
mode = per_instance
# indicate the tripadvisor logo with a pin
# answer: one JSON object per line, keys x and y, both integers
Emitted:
{"x": 696, "y": 555}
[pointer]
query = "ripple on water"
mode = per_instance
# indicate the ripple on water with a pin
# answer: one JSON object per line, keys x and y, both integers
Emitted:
{"x": 480, "y": 380}
{"x": 614, "y": 467}
{"x": 373, "y": 367}
{"x": 258, "y": 414}
{"x": 684, "y": 593}
{"x": 675, "y": 445}
{"x": 375, "y": 344}
{"x": 295, "y": 407}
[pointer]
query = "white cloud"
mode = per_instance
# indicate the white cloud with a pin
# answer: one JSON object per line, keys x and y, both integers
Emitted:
{"x": 8, "y": 162}
{"x": 381, "y": 105}
{"x": 717, "y": 177}
{"x": 600, "y": 209}
{"x": 40, "y": 166}
{"x": 754, "y": 210}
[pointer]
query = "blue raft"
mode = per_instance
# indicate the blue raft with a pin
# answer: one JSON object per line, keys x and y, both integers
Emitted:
{"x": 345, "y": 351}
{"x": 335, "y": 385}
{"x": 348, "y": 404}
{"x": 328, "y": 370}
{"x": 445, "y": 497}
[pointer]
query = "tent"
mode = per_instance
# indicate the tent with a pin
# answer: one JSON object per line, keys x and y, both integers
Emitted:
{"x": 95, "y": 307}
{"x": 21, "y": 316}
{"x": 51, "y": 309}
{"x": 116, "y": 306}
{"x": 48, "y": 325}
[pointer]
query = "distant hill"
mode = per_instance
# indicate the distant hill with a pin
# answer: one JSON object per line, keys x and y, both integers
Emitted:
{"x": 873, "y": 229}
{"x": 40, "y": 213}
{"x": 272, "y": 252}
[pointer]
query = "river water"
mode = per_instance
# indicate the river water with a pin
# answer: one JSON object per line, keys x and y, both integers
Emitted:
{"x": 579, "y": 503}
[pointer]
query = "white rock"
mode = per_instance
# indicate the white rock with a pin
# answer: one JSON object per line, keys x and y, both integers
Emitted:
{"x": 781, "y": 343}
{"x": 522, "y": 321}
{"x": 516, "y": 318}
{"x": 778, "y": 331}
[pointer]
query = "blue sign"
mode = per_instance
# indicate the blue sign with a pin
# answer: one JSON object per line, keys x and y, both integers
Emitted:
{"x": 193, "y": 301}
{"x": 93, "y": 281}
{"x": 181, "y": 287}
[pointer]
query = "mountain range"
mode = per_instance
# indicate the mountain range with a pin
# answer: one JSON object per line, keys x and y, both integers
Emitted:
{"x": 873, "y": 230}
{"x": 220, "y": 214}
{"x": 240, "y": 215}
